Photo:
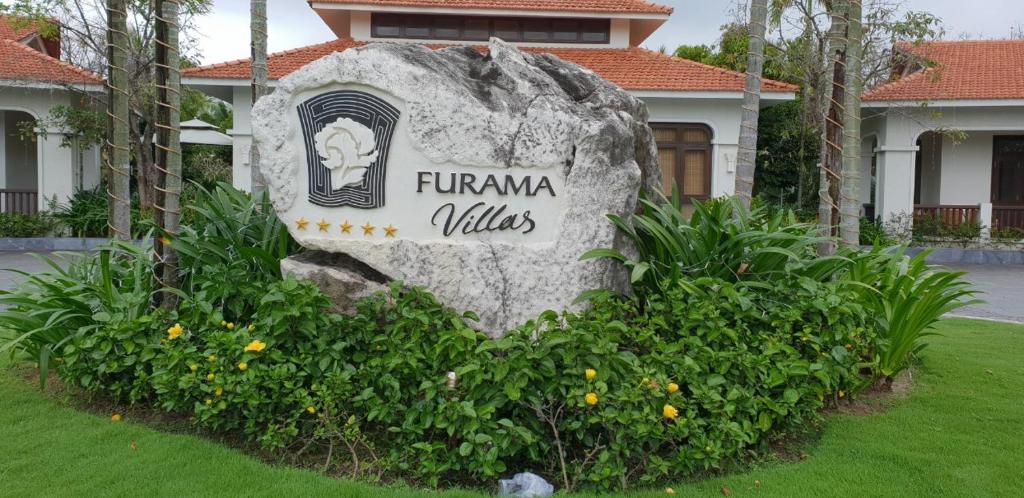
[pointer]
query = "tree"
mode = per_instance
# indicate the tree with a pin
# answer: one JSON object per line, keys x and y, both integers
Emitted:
{"x": 747, "y": 156}
{"x": 258, "y": 30}
{"x": 168, "y": 143}
{"x": 850, "y": 202}
{"x": 832, "y": 134}
{"x": 118, "y": 188}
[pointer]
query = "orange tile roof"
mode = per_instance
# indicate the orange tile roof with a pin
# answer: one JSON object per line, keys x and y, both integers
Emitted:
{"x": 631, "y": 68}
{"x": 963, "y": 70}
{"x": 603, "y": 6}
{"x": 20, "y": 62}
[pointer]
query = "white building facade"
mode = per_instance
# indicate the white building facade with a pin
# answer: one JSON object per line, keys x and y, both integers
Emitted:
{"x": 947, "y": 139}
{"x": 39, "y": 169}
{"x": 695, "y": 109}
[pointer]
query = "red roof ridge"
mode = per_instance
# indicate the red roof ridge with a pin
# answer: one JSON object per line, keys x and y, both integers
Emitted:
{"x": 88, "y": 76}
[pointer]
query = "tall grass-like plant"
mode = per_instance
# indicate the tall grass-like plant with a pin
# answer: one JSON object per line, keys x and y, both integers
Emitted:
{"x": 49, "y": 308}
{"x": 908, "y": 297}
{"x": 722, "y": 239}
{"x": 227, "y": 225}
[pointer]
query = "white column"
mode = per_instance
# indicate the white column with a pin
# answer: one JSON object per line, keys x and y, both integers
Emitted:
{"x": 895, "y": 181}
{"x": 986, "y": 220}
{"x": 241, "y": 103}
{"x": 3, "y": 149}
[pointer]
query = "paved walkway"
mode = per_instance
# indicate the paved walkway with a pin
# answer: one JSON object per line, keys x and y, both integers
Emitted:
{"x": 1003, "y": 288}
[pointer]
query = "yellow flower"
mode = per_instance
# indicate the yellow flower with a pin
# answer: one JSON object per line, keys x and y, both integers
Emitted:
{"x": 193, "y": 367}
{"x": 673, "y": 387}
{"x": 591, "y": 374}
{"x": 242, "y": 366}
{"x": 219, "y": 391}
{"x": 842, "y": 393}
{"x": 211, "y": 376}
{"x": 211, "y": 358}
{"x": 670, "y": 491}
{"x": 591, "y": 399}
{"x": 174, "y": 332}
{"x": 116, "y": 417}
{"x": 255, "y": 346}
{"x": 223, "y": 323}
{"x": 209, "y": 401}
{"x": 230, "y": 326}
{"x": 311, "y": 409}
{"x": 670, "y": 412}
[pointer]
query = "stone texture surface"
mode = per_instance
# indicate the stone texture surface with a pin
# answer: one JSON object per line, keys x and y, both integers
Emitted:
{"x": 342, "y": 278}
{"x": 507, "y": 109}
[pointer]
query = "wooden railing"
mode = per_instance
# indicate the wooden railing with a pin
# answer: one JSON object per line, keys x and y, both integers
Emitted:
{"x": 19, "y": 201}
{"x": 949, "y": 215}
{"x": 1007, "y": 217}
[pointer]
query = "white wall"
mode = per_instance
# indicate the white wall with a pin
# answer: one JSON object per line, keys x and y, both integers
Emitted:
{"x": 967, "y": 169}
{"x": 722, "y": 116}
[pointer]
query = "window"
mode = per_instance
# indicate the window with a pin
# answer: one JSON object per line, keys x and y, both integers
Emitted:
{"x": 465, "y": 28}
{"x": 684, "y": 155}
{"x": 1008, "y": 170}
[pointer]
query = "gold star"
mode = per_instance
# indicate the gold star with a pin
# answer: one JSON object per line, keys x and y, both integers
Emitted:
{"x": 323, "y": 225}
{"x": 367, "y": 229}
{"x": 390, "y": 231}
{"x": 346, "y": 227}
{"x": 301, "y": 223}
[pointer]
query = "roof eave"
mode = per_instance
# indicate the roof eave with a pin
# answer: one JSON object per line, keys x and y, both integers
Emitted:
{"x": 663, "y": 16}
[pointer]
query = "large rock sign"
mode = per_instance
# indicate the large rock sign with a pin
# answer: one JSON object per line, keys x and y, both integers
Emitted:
{"x": 480, "y": 177}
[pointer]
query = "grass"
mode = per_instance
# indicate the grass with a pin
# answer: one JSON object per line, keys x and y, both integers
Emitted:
{"x": 959, "y": 433}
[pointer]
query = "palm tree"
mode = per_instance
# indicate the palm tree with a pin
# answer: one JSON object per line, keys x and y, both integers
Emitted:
{"x": 168, "y": 163}
{"x": 747, "y": 157}
{"x": 258, "y": 31}
{"x": 832, "y": 136}
{"x": 117, "y": 101}
{"x": 849, "y": 206}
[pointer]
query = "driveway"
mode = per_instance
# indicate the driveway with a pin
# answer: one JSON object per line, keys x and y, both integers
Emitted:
{"x": 1003, "y": 291}
{"x": 19, "y": 261}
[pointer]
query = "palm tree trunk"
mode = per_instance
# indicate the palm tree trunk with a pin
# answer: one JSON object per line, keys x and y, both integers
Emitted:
{"x": 258, "y": 30}
{"x": 168, "y": 164}
{"x": 746, "y": 159}
{"x": 831, "y": 148}
{"x": 849, "y": 206}
{"x": 118, "y": 155}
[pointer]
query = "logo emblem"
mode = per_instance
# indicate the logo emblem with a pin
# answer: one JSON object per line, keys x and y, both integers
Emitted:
{"x": 347, "y": 135}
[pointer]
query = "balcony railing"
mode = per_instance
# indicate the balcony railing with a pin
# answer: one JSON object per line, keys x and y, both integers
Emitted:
{"x": 949, "y": 215}
{"x": 19, "y": 201}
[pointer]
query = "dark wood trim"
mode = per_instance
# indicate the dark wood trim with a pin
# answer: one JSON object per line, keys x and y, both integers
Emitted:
{"x": 578, "y": 28}
{"x": 682, "y": 148}
{"x": 996, "y": 173}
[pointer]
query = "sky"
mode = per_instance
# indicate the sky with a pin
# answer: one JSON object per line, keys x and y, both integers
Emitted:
{"x": 225, "y": 31}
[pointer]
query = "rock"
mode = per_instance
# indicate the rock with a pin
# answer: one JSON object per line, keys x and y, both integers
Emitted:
{"x": 489, "y": 175}
{"x": 525, "y": 485}
{"x": 342, "y": 278}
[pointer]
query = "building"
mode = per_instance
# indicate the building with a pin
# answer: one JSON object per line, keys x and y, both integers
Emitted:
{"x": 36, "y": 170}
{"x": 695, "y": 109}
{"x": 946, "y": 137}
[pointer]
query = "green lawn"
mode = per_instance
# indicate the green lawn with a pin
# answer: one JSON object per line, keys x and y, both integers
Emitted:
{"x": 960, "y": 433}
